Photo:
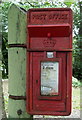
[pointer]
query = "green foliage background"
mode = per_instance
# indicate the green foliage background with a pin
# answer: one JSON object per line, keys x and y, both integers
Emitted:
{"x": 75, "y": 6}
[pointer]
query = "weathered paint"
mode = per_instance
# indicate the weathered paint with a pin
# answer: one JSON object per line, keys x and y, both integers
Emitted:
{"x": 54, "y": 28}
{"x": 17, "y": 71}
{"x": 14, "y": 106}
{"x": 17, "y": 61}
{"x": 16, "y": 25}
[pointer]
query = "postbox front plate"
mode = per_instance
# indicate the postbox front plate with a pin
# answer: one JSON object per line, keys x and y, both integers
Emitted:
{"x": 49, "y": 61}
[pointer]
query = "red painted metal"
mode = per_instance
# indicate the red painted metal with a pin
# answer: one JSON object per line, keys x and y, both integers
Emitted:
{"x": 49, "y": 30}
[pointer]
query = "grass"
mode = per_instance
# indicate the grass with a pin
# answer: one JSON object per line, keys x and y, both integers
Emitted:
{"x": 76, "y": 98}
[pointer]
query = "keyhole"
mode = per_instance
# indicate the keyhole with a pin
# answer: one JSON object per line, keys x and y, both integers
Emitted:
{"x": 36, "y": 81}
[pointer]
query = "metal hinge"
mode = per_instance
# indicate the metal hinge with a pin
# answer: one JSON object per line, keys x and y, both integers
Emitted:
{"x": 17, "y": 97}
{"x": 17, "y": 45}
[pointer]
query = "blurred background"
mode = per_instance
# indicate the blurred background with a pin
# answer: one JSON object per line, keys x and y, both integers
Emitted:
{"x": 76, "y": 6}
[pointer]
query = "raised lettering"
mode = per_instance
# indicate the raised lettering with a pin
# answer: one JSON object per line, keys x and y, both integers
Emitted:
{"x": 57, "y": 17}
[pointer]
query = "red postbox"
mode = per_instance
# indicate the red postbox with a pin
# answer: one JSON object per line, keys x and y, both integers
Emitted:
{"x": 49, "y": 61}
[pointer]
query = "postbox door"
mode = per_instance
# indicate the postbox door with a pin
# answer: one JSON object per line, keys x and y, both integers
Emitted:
{"x": 48, "y": 84}
{"x": 49, "y": 79}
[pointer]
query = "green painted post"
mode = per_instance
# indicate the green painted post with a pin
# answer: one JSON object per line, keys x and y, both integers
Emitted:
{"x": 17, "y": 21}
